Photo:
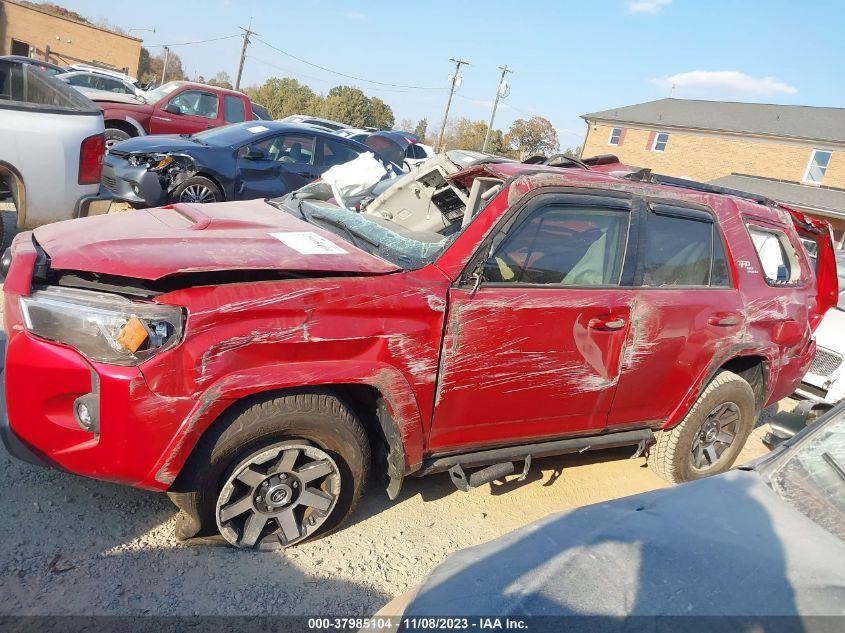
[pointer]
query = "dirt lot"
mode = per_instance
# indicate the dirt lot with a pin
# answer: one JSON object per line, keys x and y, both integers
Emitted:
{"x": 76, "y": 546}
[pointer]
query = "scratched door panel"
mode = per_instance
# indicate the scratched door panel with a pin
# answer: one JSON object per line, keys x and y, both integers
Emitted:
{"x": 523, "y": 363}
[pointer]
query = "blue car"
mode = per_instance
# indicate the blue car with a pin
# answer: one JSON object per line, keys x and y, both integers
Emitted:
{"x": 244, "y": 161}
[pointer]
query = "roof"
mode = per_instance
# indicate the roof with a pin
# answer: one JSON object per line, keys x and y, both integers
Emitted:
{"x": 826, "y": 199}
{"x": 789, "y": 121}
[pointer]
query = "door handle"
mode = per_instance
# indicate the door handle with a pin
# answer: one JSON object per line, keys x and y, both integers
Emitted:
{"x": 723, "y": 320}
{"x": 598, "y": 323}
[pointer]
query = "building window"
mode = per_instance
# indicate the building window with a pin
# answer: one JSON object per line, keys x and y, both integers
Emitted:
{"x": 20, "y": 48}
{"x": 615, "y": 136}
{"x": 660, "y": 141}
{"x": 817, "y": 166}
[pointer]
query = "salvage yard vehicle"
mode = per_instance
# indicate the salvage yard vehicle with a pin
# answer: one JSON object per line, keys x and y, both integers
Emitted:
{"x": 91, "y": 84}
{"x": 242, "y": 161}
{"x": 779, "y": 520}
{"x": 53, "y": 136}
{"x": 256, "y": 359}
{"x": 177, "y": 107}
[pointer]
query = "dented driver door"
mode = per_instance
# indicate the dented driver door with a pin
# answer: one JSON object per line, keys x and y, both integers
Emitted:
{"x": 532, "y": 347}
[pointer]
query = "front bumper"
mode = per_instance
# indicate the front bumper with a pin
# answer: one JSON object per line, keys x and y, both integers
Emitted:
{"x": 43, "y": 380}
{"x": 133, "y": 184}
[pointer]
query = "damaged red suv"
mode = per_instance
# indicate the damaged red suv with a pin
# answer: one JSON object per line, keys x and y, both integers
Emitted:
{"x": 256, "y": 360}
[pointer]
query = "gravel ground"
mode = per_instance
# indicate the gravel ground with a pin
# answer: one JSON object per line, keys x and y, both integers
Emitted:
{"x": 73, "y": 546}
{"x": 83, "y": 547}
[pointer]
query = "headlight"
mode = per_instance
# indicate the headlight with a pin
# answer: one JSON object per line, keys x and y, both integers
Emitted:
{"x": 103, "y": 327}
{"x": 153, "y": 162}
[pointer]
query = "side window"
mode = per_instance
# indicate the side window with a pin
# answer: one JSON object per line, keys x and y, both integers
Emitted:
{"x": 289, "y": 148}
{"x": 233, "y": 109}
{"x": 335, "y": 153}
{"x": 678, "y": 251}
{"x": 562, "y": 244}
{"x": 113, "y": 85}
{"x": 777, "y": 257}
{"x": 196, "y": 103}
{"x": 81, "y": 80}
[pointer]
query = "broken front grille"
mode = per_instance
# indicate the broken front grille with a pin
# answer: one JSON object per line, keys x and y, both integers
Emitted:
{"x": 825, "y": 362}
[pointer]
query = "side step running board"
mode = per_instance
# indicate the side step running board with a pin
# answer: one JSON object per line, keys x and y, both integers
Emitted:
{"x": 499, "y": 460}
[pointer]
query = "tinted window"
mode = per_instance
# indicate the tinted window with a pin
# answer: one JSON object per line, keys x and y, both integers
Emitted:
{"x": 196, "y": 103}
{"x": 677, "y": 251}
{"x": 719, "y": 275}
{"x": 113, "y": 85}
{"x": 289, "y": 148}
{"x": 336, "y": 153}
{"x": 233, "y": 109}
{"x": 80, "y": 80}
{"x": 23, "y": 85}
{"x": 777, "y": 257}
{"x": 557, "y": 244}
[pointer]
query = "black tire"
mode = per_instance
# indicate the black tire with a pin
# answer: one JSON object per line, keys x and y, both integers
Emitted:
{"x": 197, "y": 190}
{"x": 316, "y": 418}
{"x": 729, "y": 398}
{"x": 8, "y": 228}
{"x": 113, "y": 136}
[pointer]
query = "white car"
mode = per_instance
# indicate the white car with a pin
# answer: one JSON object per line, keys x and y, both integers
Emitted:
{"x": 825, "y": 381}
{"x": 90, "y": 83}
{"x": 108, "y": 73}
{"x": 51, "y": 151}
{"x": 416, "y": 153}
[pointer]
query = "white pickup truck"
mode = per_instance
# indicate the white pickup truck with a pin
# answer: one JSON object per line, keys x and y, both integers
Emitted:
{"x": 51, "y": 151}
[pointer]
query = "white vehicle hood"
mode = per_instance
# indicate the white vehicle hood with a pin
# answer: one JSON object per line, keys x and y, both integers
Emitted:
{"x": 831, "y": 331}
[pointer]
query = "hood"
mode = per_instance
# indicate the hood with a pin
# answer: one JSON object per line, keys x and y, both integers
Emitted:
{"x": 154, "y": 243}
{"x": 122, "y": 102}
{"x": 157, "y": 143}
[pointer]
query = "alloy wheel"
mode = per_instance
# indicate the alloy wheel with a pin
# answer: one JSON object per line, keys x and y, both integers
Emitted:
{"x": 715, "y": 435}
{"x": 197, "y": 194}
{"x": 278, "y": 496}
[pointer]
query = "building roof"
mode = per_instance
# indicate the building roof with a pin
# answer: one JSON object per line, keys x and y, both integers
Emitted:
{"x": 35, "y": 6}
{"x": 821, "y": 199}
{"x": 789, "y": 121}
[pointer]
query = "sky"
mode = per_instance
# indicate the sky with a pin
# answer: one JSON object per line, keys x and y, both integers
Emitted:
{"x": 568, "y": 58}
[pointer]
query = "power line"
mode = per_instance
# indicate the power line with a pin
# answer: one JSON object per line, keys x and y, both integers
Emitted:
{"x": 337, "y": 72}
{"x": 500, "y": 90}
{"x": 213, "y": 39}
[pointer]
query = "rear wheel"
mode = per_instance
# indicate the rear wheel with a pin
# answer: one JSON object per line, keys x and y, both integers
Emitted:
{"x": 712, "y": 434}
{"x": 113, "y": 136}
{"x": 282, "y": 471}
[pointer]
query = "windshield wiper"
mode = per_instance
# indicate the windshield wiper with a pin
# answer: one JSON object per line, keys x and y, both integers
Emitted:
{"x": 350, "y": 232}
{"x": 830, "y": 459}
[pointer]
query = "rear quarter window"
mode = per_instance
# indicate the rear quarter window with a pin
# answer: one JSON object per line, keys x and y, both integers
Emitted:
{"x": 779, "y": 261}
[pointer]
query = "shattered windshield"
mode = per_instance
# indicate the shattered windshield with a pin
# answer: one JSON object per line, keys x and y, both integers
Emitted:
{"x": 378, "y": 236}
{"x": 812, "y": 479}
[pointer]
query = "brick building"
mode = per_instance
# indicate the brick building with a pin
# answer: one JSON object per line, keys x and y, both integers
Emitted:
{"x": 795, "y": 154}
{"x": 30, "y": 30}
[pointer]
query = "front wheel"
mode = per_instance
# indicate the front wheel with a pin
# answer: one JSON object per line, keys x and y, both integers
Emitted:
{"x": 282, "y": 471}
{"x": 197, "y": 190}
{"x": 711, "y": 436}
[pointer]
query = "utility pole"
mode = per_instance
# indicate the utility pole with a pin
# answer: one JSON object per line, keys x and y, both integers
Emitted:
{"x": 499, "y": 93}
{"x": 455, "y": 77}
{"x": 164, "y": 68}
{"x": 247, "y": 32}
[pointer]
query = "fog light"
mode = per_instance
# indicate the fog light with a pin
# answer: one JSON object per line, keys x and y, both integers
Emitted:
{"x": 136, "y": 189}
{"x": 86, "y": 412}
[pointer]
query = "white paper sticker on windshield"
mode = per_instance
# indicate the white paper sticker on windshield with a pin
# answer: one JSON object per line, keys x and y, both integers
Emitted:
{"x": 255, "y": 129}
{"x": 309, "y": 243}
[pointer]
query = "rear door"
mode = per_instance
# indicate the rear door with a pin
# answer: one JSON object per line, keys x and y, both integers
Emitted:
{"x": 533, "y": 352}
{"x": 198, "y": 110}
{"x": 686, "y": 312}
{"x": 331, "y": 152}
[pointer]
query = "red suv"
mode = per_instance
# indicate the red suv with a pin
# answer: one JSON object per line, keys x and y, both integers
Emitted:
{"x": 256, "y": 359}
{"x": 177, "y": 107}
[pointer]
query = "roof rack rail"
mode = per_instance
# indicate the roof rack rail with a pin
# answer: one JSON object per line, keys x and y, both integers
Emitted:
{"x": 645, "y": 175}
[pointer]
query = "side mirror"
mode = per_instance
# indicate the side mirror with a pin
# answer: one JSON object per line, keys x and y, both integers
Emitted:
{"x": 172, "y": 108}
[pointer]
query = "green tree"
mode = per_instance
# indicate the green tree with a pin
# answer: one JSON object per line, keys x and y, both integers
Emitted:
{"x": 283, "y": 96}
{"x": 221, "y": 80}
{"x": 467, "y": 134}
{"x": 380, "y": 114}
{"x": 421, "y": 130}
{"x": 348, "y": 105}
{"x": 535, "y": 136}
